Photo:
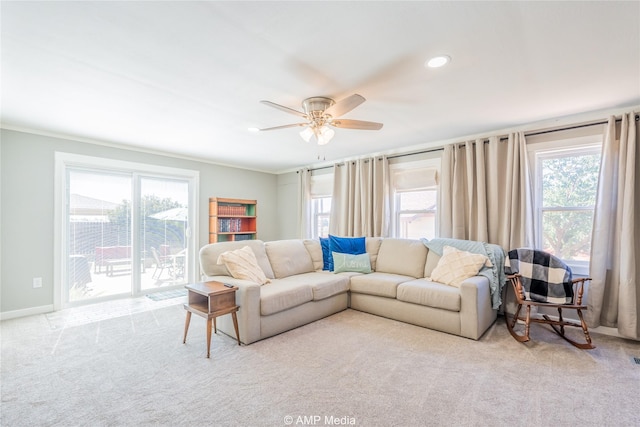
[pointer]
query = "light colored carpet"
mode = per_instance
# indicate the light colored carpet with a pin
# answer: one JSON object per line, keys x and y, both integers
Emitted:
{"x": 355, "y": 367}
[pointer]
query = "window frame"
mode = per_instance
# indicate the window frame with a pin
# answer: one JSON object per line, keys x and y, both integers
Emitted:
{"x": 317, "y": 215}
{"x": 553, "y": 149}
{"x": 320, "y": 187}
{"x": 396, "y": 212}
{"x": 65, "y": 162}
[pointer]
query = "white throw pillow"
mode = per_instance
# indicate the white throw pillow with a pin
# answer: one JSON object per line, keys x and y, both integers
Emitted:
{"x": 455, "y": 266}
{"x": 242, "y": 264}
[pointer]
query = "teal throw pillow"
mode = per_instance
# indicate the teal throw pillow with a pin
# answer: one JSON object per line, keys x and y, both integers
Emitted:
{"x": 347, "y": 262}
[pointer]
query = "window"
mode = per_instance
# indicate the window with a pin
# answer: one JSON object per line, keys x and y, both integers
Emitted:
{"x": 415, "y": 199}
{"x": 416, "y": 214}
{"x": 566, "y": 182}
{"x": 321, "y": 187}
{"x": 321, "y": 211}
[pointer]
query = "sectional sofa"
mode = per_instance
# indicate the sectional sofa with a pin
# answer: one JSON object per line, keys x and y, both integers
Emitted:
{"x": 300, "y": 292}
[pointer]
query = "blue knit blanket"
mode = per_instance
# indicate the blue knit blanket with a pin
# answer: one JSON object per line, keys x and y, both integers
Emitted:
{"x": 495, "y": 274}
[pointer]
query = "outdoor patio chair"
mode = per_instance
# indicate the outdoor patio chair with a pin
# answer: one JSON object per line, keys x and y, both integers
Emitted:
{"x": 540, "y": 279}
{"x": 162, "y": 263}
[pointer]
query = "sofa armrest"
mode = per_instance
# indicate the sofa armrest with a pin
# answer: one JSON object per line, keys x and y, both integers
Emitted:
{"x": 476, "y": 314}
{"x": 248, "y": 299}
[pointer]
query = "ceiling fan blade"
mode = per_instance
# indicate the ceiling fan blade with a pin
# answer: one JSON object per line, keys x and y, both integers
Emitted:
{"x": 285, "y": 109}
{"x": 345, "y": 105}
{"x": 356, "y": 124}
{"x": 285, "y": 126}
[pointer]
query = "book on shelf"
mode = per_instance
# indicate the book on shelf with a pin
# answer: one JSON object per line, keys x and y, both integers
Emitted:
{"x": 231, "y": 210}
{"x": 244, "y": 237}
{"x": 230, "y": 225}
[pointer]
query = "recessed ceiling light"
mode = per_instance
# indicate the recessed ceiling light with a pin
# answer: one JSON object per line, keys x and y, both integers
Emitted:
{"x": 438, "y": 61}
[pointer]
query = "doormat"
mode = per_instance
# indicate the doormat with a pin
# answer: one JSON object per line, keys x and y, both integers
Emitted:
{"x": 160, "y": 296}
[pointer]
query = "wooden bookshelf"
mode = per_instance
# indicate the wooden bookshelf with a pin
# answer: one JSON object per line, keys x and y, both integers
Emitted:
{"x": 232, "y": 219}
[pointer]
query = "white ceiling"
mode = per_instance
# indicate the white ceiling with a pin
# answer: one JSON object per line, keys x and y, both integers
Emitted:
{"x": 186, "y": 78}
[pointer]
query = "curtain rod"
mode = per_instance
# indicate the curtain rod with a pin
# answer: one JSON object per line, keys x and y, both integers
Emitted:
{"x": 413, "y": 153}
{"x": 542, "y": 132}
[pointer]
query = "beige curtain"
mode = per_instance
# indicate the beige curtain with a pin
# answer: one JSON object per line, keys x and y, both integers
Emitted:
{"x": 613, "y": 297}
{"x": 360, "y": 202}
{"x": 304, "y": 206}
{"x": 485, "y": 192}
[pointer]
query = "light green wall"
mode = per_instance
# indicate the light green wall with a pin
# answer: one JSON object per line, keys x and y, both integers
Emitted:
{"x": 27, "y": 201}
{"x": 288, "y": 204}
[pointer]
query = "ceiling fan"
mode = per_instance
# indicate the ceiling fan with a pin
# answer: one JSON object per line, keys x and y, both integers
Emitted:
{"x": 321, "y": 112}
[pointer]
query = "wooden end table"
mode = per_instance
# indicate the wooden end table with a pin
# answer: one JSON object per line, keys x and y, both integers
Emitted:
{"x": 210, "y": 300}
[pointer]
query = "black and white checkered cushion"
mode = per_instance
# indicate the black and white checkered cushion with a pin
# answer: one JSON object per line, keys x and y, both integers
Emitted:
{"x": 545, "y": 278}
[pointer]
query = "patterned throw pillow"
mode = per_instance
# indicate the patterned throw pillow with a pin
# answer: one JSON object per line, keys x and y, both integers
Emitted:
{"x": 242, "y": 264}
{"x": 346, "y": 262}
{"x": 455, "y": 266}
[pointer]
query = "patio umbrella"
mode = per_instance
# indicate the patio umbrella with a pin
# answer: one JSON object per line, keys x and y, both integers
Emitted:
{"x": 174, "y": 214}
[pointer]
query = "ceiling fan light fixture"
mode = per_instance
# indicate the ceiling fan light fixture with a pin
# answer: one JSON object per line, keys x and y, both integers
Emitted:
{"x": 438, "y": 61}
{"x": 307, "y": 133}
{"x": 324, "y": 135}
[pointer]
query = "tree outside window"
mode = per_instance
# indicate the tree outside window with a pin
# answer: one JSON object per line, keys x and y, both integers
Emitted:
{"x": 567, "y": 184}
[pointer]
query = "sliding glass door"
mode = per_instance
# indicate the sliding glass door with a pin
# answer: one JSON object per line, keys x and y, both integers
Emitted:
{"x": 124, "y": 232}
{"x": 163, "y": 230}
{"x": 99, "y": 256}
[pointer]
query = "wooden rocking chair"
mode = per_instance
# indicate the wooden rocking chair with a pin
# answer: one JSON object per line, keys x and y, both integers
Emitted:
{"x": 540, "y": 279}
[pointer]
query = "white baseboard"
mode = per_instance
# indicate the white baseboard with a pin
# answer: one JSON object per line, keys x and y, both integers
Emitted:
{"x": 5, "y": 315}
{"x": 604, "y": 330}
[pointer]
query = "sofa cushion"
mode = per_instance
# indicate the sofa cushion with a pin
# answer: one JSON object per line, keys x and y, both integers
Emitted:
{"x": 324, "y": 284}
{"x": 348, "y": 273}
{"x": 242, "y": 264}
{"x": 402, "y": 256}
{"x": 373, "y": 247}
{"x": 209, "y": 257}
{"x": 432, "y": 261}
{"x": 288, "y": 257}
{"x": 347, "y": 262}
{"x": 456, "y": 265}
{"x": 432, "y": 294}
{"x": 282, "y": 295}
{"x": 315, "y": 251}
{"x": 380, "y": 284}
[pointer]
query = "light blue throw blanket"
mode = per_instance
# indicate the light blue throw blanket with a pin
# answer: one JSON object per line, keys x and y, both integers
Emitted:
{"x": 495, "y": 253}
